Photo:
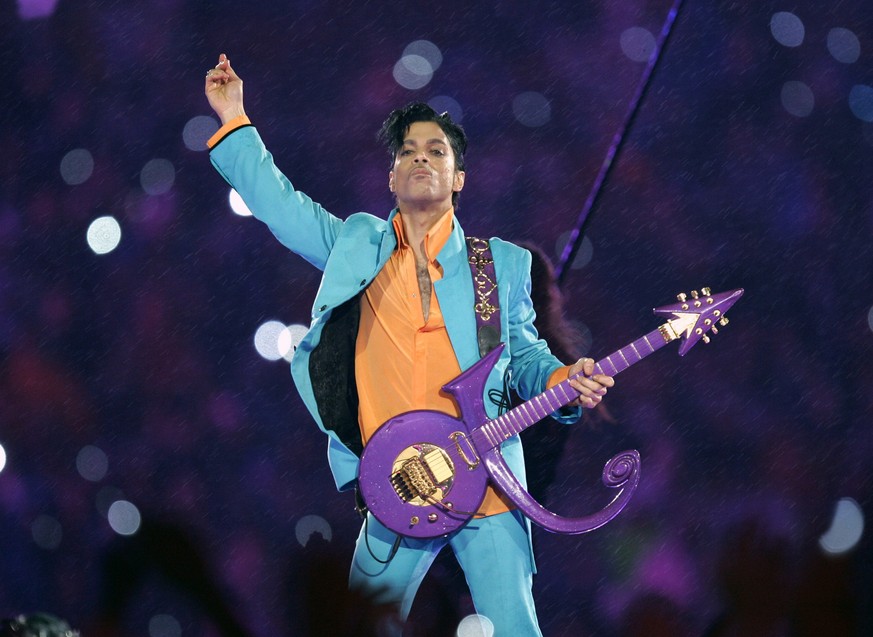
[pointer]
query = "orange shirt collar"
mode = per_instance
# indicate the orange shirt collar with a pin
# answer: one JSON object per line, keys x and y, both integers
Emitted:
{"x": 436, "y": 237}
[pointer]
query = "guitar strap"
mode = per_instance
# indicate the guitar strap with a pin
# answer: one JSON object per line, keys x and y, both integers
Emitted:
{"x": 487, "y": 302}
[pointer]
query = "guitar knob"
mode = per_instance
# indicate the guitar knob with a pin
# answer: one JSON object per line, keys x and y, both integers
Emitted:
{"x": 723, "y": 321}
{"x": 432, "y": 517}
{"x": 681, "y": 297}
{"x": 413, "y": 520}
{"x": 705, "y": 291}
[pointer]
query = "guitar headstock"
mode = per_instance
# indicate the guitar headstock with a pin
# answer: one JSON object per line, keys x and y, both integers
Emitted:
{"x": 698, "y": 313}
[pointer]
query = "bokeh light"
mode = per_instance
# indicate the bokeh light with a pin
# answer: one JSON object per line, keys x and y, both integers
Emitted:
{"x": 289, "y": 339}
{"x": 531, "y": 109}
{"x": 475, "y": 626}
{"x": 46, "y": 532}
{"x": 124, "y": 517}
{"x": 164, "y": 625}
{"x": 2, "y": 458}
{"x": 638, "y": 44}
{"x": 583, "y": 255}
{"x": 237, "y": 204}
{"x": 197, "y": 132}
{"x": 870, "y": 319}
{"x": 861, "y": 102}
{"x": 104, "y": 235}
{"x": 92, "y": 463}
{"x": 157, "y": 176}
{"x": 267, "y": 340}
{"x": 77, "y": 166}
{"x": 34, "y": 9}
{"x": 427, "y": 50}
{"x": 797, "y": 98}
{"x": 846, "y": 529}
{"x": 787, "y": 29}
{"x": 446, "y": 104}
{"x": 310, "y": 525}
{"x": 413, "y": 72}
{"x": 844, "y": 45}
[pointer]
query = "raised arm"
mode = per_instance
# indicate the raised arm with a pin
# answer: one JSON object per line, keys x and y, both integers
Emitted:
{"x": 239, "y": 155}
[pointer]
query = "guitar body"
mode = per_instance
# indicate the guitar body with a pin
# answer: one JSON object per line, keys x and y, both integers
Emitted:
{"x": 419, "y": 446}
{"x": 431, "y": 453}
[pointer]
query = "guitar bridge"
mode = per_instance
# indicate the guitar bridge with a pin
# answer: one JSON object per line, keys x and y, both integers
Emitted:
{"x": 424, "y": 477}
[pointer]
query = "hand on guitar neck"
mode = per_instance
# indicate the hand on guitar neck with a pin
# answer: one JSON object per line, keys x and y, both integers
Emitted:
{"x": 592, "y": 387}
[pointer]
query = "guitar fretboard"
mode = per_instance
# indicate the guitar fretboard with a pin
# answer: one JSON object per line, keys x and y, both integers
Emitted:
{"x": 519, "y": 418}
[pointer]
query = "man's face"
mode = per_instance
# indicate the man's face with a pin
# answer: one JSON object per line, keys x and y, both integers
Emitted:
{"x": 424, "y": 171}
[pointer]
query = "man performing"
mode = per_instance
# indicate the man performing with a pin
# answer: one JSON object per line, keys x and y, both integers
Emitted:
{"x": 392, "y": 322}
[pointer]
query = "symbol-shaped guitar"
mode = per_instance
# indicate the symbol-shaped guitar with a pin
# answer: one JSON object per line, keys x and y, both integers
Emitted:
{"x": 424, "y": 473}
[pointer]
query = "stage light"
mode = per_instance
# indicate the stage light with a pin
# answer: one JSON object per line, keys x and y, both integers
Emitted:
{"x": 309, "y": 525}
{"x": 427, "y": 50}
{"x": 267, "y": 340}
{"x": 103, "y": 235}
{"x": 237, "y": 205}
{"x": 446, "y": 104}
{"x": 124, "y": 517}
{"x": 844, "y": 45}
{"x": 33, "y": 9}
{"x": 157, "y": 176}
{"x": 77, "y": 166}
{"x": 289, "y": 339}
{"x": 2, "y": 458}
{"x": 197, "y": 131}
{"x": 846, "y": 529}
{"x": 531, "y": 109}
{"x": 164, "y": 626}
{"x": 583, "y": 255}
{"x": 46, "y": 532}
{"x": 638, "y": 44}
{"x": 413, "y": 72}
{"x": 92, "y": 463}
{"x": 787, "y": 29}
{"x": 861, "y": 102}
{"x": 797, "y": 98}
{"x": 475, "y": 626}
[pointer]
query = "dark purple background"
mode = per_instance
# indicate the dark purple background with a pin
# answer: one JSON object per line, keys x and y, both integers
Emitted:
{"x": 146, "y": 352}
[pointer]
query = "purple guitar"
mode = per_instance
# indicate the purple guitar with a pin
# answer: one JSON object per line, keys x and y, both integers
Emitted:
{"x": 424, "y": 473}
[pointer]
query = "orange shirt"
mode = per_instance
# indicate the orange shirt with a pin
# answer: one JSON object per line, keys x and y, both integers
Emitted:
{"x": 402, "y": 360}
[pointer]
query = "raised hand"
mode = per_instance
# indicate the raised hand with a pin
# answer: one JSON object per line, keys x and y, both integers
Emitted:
{"x": 224, "y": 90}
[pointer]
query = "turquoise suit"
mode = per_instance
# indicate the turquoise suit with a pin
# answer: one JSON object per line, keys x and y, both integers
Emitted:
{"x": 351, "y": 253}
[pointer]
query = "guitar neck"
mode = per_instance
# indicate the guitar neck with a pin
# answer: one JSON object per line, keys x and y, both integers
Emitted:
{"x": 519, "y": 418}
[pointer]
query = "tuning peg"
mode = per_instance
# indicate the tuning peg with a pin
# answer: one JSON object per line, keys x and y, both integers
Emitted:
{"x": 704, "y": 338}
{"x": 705, "y": 291}
{"x": 714, "y": 330}
{"x": 723, "y": 321}
{"x": 694, "y": 294}
{"x": 681, "y": 297}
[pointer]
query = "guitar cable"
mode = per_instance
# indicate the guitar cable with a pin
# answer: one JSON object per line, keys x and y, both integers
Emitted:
{"x": 361, "y": 508}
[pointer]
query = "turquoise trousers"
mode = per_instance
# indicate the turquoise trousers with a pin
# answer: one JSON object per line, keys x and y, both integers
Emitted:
{"x": 494, "y": 553}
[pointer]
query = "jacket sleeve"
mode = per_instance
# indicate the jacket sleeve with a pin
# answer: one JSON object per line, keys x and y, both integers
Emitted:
{"x": 532, "y": 362}
{"x": 298, "y": 222}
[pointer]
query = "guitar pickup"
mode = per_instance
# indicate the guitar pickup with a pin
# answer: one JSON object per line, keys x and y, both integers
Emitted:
{"x": 421, "y": 476}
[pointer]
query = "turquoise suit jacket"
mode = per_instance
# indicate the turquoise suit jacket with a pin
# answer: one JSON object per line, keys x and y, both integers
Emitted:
{"x": 351, "y": 253}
